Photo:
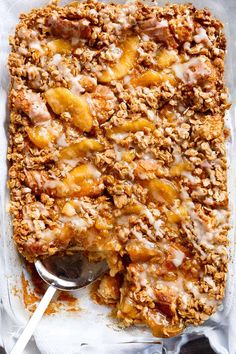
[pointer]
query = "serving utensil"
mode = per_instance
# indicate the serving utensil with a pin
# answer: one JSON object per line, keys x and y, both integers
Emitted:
{"x": 69, "y": 272}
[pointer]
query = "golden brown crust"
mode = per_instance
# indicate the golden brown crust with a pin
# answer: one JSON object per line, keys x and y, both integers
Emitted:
{"x": 117, "y": 147}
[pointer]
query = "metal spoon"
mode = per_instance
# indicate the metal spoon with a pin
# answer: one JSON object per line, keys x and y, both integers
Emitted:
{"x": 64, "y": 273}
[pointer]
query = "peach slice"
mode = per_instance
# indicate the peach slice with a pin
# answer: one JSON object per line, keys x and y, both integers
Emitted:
{"x": 128, "y": 156}
{"x": 72, "y": 4}
{"x": 132, "y": 209}
{"x": 127, "y": 307}
{"x": 158, "y": 322}
{"x": 83, "y": 180}
{"x": 145, "y": 167}
{"x": 80, "y": 149}
{"x": 152, "y": 78}
{"x": 62, "y": 100}
{"x": 60, "y": 46}
{"x": 179, "y": 168}
{"x": 68, "y": 209}
{"x": 42, "y": 135}
{"x": 124, "y": 64}
{"x": 162, "y": 191}
{"x": 132, "y": 126}
{"x": 139, "y": 252}
{"x": 168, "y": 112}
{"x": 166, "y": 58}
{"x": 81, "y": 173}
{"x": 177, "y": 216}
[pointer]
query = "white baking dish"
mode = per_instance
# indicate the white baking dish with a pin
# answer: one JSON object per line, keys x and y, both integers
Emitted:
{"x": 65, "y": 332}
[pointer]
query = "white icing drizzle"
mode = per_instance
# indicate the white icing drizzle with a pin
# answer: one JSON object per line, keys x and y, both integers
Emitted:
{"x": 177, "y": 154}
{"x": 204, "y": 235}
{"x": 77, "y": 222}
{"x": 148, "y": 156}
{"x": 119, "y": 151}
{"x": 56, "y": 59}
{"x": 200, "y": 296}
{"x": 210, "y": 282}
{"x": 150, "y": 217}
{"x": 96, "y": 174}
{"x": 126, "y": 79}
{"x": 76, "y": 87}
{"x": 23, "y": 50}
{"x": 155, "y": 223}
{"x": 119, "y": 136}
{"x": 190, "y": 177}
{"x": 185, "y": 73}
{"x": 145, "y": 38}
{"x": 178, "y": 258}
{"x": 35, "y": 44}
{"x": 51, "y": 184}
{"x": 61, "y": 141}
{"x": 114, "y": 52}
{"x": 202, "y": 36}
{"x": 151, "y": 115}
{"x": 38, "y": 109}
{"x": 72, "y": 163}
{"x": 46, "y": 235}
{"x": 185, "y": 299}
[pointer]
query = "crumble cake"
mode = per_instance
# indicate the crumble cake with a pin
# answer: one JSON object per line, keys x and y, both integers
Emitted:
{"x": 117, "y": 148}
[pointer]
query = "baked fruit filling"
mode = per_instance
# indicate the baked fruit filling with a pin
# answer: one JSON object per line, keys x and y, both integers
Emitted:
{"x": 117, "y": 148}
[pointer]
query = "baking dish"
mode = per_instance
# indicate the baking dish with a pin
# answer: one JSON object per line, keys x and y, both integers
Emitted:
{"x": 81, "y": 327}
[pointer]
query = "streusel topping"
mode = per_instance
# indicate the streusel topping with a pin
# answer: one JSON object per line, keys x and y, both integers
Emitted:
{"x": 117, "y": 147}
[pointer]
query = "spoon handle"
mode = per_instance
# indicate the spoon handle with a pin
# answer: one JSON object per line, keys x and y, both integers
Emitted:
{"x": 33, "y": 322}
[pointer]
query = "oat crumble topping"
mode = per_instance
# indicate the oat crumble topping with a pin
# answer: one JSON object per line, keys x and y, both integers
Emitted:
{"x": 117, "y": 145}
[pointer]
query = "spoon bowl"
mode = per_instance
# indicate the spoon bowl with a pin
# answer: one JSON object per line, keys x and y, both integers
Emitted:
{"x": 70, "y": 272}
